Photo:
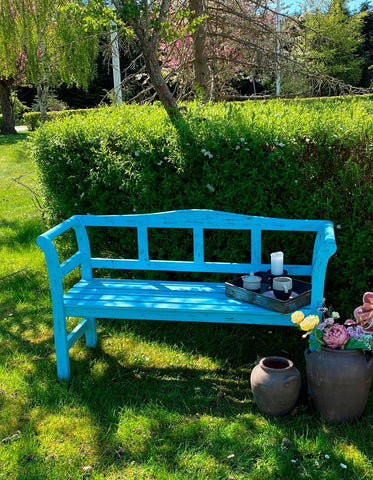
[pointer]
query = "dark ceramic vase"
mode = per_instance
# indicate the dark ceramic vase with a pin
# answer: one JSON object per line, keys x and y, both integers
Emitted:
{"x": 275, "y": 384}
{"x": 339, "y": 382}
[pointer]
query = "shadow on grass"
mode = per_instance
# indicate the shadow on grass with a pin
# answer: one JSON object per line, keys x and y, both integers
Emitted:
{"x": 13, "y": 139}
{"x": 23, "y": 232}
{"x": 179, "y": 417}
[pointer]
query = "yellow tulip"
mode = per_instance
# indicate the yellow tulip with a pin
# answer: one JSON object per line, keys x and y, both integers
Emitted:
{"x": 309, "y": 323}
{"x": 297, "y": 317}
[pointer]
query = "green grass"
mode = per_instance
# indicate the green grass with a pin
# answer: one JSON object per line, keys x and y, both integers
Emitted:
{"x": 153, "y": 400}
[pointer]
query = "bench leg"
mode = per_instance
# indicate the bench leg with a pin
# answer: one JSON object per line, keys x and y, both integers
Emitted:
{"x": 90, "y": 334}
{"x": 62, "y": 353}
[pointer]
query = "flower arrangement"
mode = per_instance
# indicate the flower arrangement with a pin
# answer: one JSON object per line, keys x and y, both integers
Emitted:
{"x": 357, "y": 333}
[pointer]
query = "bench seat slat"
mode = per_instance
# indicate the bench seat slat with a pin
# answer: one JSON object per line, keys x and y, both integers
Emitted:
{"x": 164, "y": 300}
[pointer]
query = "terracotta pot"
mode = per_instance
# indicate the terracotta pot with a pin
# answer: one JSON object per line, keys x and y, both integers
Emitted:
{"x": 275, "y": 384}
{"x": 339, "y": 382}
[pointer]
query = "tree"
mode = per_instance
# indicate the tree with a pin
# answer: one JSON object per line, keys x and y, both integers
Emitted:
{"x": 230, "y": 40}
{"x": 367, "y": 47}
{"x": 331, "y": 44}
{"x": 148, "y": 19}
{"x": 12, "y": 61}
{"x": 52, "y": 37}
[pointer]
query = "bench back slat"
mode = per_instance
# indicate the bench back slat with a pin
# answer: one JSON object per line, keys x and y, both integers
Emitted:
{"x": 187, "y": 266}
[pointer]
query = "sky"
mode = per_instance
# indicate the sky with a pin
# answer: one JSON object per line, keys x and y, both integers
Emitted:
{"x": 353, "y": 5}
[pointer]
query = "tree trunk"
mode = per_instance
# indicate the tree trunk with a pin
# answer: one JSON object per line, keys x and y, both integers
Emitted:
{"x": 7, "y": 107}
{"x": 150, "y": 52}
{"x": 202, "y": 80}
{"x": 42, "y": 91}
{"x": 148, "y": 38}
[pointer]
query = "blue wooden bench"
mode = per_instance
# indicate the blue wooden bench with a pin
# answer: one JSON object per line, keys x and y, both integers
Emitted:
{"x": 93, "y": 298}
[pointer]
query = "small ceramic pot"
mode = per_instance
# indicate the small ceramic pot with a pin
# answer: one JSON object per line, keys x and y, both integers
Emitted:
{"x": 276, "y": 384}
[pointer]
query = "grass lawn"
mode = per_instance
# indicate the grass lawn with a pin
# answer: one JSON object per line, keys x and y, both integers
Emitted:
{"x": 153, "y": 400}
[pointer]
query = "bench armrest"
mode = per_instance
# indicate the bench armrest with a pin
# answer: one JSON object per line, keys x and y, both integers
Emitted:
{"x": 57, "y": 271}
{"x": 325, "y": 247}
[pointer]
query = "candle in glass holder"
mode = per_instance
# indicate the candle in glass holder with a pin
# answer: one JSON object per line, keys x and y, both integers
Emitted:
{"x": 277, "y": 263}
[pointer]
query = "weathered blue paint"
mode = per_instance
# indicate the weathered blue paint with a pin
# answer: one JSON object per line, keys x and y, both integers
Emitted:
{"x": 93, "y": 298}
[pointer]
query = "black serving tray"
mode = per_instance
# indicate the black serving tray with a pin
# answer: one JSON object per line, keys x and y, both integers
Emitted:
{"x": 234, "y": 288}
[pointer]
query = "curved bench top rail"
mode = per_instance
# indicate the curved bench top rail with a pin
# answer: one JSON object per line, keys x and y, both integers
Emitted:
{"x": 207, "y": 219}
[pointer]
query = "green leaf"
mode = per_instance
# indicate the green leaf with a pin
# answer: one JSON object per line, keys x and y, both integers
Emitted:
{"x": 355, "y": 343}
{"x": 314, "y": 344}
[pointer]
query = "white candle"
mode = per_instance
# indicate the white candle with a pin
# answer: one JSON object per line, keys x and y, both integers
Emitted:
{"x": 277, "y": 263}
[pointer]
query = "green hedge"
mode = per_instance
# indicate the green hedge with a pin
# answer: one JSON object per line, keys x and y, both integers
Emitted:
{"x": 33, "y": 119}
{"x": 282, "y": 159}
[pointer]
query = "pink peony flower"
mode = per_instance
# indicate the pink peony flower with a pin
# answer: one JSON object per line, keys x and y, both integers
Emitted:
{"x": 364, "y": 313}
{"x": 336, "y": 336}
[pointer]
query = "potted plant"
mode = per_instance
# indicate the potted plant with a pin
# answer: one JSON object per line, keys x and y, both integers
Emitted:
{"x": 339, "y": 361}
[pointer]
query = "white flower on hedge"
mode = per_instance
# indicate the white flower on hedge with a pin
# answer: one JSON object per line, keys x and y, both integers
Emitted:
{"x": 238, "y": 147}
{"x": 335, "y": 315}
{"x": 206, "y": 153}
{"x": 339, "y": 227}
{"x": 137, "y": 153}
{"x": 242, "y": 139}
{"x": 160, "y": 163}
{"x": 210, "y": 187}
{"x": 343, "y": 466}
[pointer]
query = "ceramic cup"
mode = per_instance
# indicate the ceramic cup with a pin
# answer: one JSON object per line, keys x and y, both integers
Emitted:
{"x": 252, "y": 282}
{"x": 282, "y": 287}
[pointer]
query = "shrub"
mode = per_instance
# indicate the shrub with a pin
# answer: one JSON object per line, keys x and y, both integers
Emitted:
{"x": 283, "y": 159}
{"x": 33, "y": 119}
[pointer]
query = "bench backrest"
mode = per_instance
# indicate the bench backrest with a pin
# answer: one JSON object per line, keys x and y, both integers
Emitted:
{"x": 198, "y": 221}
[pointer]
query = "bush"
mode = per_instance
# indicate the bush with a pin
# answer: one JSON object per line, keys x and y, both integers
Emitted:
{"x": 283, "y": 159}
{"x": 33, "y": 119}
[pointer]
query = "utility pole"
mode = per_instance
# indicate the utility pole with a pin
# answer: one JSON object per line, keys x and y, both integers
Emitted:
{"x": 278, "y": 48}
{"x": 115, "y": 60}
